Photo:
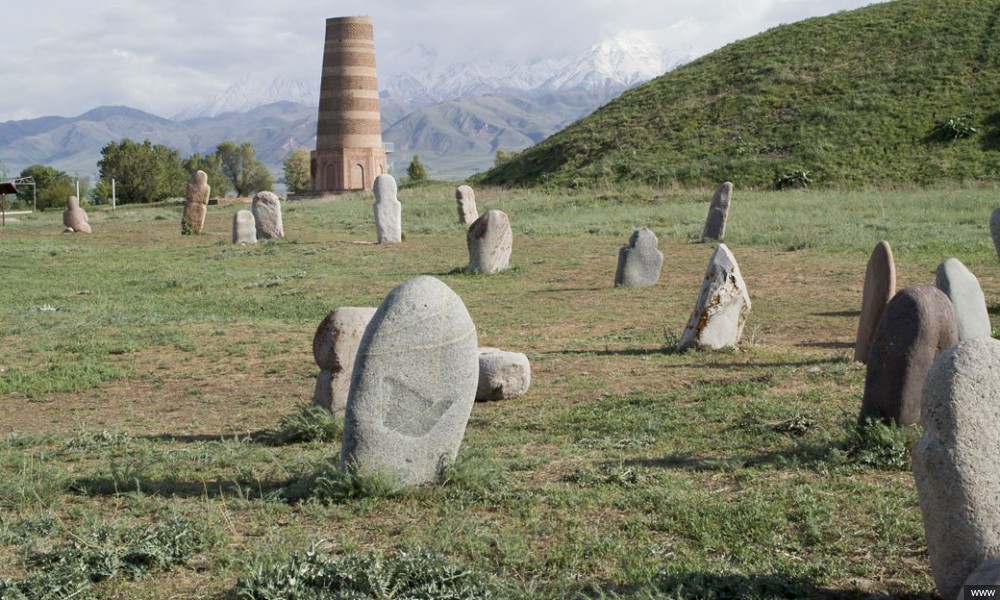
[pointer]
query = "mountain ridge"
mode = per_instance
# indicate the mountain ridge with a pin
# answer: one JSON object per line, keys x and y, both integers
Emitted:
{"x": 455, "y": 117}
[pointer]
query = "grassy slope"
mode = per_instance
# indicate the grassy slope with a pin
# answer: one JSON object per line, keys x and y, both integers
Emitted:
{"x": 850, "y": 98}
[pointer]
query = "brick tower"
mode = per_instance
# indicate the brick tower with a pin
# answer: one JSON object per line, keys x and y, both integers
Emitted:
{"x": 349, "y": 153}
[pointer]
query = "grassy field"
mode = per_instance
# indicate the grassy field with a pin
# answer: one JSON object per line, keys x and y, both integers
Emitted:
{"x": 155, "y": 440}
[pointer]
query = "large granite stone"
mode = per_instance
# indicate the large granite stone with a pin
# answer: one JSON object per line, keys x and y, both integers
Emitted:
{"x": 388, "y": 211}
{"x": 956, "y": 464}
{"x": 987, "y": 574}
{"x": 962, "y": 288}
{"x": 722, "y": 308}
{"x": 465, "y": 199}
{"x": 266, "y": 208}
{"x": 502, "y": 374}
{"x": 335, "y": 347}
{"x": 414, "y": 385}
{"x": 195, "y": 203}
{"x": 718, "y": 213}
{"x": 74, "y": 217}
{"x": 490, "y": 242}
{"x": 995, "y": 229}
{"x": 917, "y": 326}
{"x": 244, "y": 227}
{"x": 640, "y": 262}
{"x": 880, "y": 285}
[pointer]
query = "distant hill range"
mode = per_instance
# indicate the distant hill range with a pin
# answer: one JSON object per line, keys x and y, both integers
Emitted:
{"x": 903, "y": 92}
{"x": 455, "y": 117}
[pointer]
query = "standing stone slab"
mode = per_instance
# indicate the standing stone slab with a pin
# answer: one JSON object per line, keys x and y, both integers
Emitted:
{"x": 722, "y": 308}
{"x": 962, "y": 288}
{"x": 718, "y": 213}
{"x": 490, "y": 242}
{"x": 465, "y": 199}
{"x": 244, "y": 227}
{"x": 956, "y": 464}
{"x": 414, "y": 385}
{"x": 502, "y": 375}
{"x": 388, "y": 211}
{"x": 880, "y": 285}
{"x": 987, "y": 573}
{"x": 266, "y": 208}
{"x": 74, "y": 217}
{"x": 335, "y": 346}
{"x": 995, "y": 229}
{"x": 195, "y": 203}
{"x": 640, "y": 262}
{"x": 917, "y": 326}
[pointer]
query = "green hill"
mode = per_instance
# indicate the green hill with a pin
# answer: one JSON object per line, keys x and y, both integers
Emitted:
{"x": 898, "y": 93}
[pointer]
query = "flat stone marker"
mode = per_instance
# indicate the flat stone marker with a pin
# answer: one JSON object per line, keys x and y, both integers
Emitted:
{"x": 75, "y": 218}
{"x": 465, "y": 199}
{"x": 244, "y": 227}
{"x": 718, "y": 213}
{"x": 640, "y": 262}
{"x": 490, "y": 242}
{"x": 388, "y": 211}
{"x": 956, "y": 464}
{"x": 880, "y": 285}
{"x": 414, "y": 385}
{"x": 988, "y": 573}
{"x": 335, "y": 347}
{"x": 995, "y": 229}
{"x": 502, "y": 375}
{"x": 266, "y": 208}
{"x": 195, "y": 203}
{"x": 722, "y": 308}
{"x": 917, "y": 326}
{"x": 962, "y": 288}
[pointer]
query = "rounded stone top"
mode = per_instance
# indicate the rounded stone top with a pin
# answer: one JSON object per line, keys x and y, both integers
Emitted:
{"x": 200, "y": 177}
{"x": 72, "y": 203}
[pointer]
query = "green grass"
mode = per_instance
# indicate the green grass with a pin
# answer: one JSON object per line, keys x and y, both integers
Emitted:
{"x": 856, "y": 99}
{"x": 168, "y": 391}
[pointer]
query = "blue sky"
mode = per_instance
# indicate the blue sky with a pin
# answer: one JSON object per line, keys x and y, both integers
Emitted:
{"x": 64, "y": 57}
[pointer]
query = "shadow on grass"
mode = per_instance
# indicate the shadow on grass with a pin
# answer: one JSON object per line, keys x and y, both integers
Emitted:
{"x": 607, "y": 352}
{"x": 561, "y": 290}
{"x": 263, "y": 437}
{"x": 803, "y": 455}
{"x": 839, "y": 313}
{"x": 245, "y": 490}
{"x": 702, "y": 585}
{"x": 829, "y": 345}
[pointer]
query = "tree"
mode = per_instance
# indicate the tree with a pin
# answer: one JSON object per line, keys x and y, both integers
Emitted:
{"x": 51, "y": 186}
{"x": 416, "y": 172}
{"x": 212, "y": 167}
{"x": 298, "y": 177}
{"x": 143, "y": 172}
{"x": 241, "y": 167}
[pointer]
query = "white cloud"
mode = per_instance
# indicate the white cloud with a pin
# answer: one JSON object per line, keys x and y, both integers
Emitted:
{"x": 162, "y": 56}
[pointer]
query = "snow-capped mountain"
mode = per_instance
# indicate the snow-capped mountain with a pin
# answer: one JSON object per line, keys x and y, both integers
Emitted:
{"x": 613, "y": 65}
{"x": 254, "y": 90}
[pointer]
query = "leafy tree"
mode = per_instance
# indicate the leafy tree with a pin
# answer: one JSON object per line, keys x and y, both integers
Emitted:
{"x": 416, "y": 172}
{"x": 297, "y": 173}
{"x": 51, "y": 186}
{"x": 143, "y": 172}
{"x": 241, "y": 167}
{"x": 212, "y": 166}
